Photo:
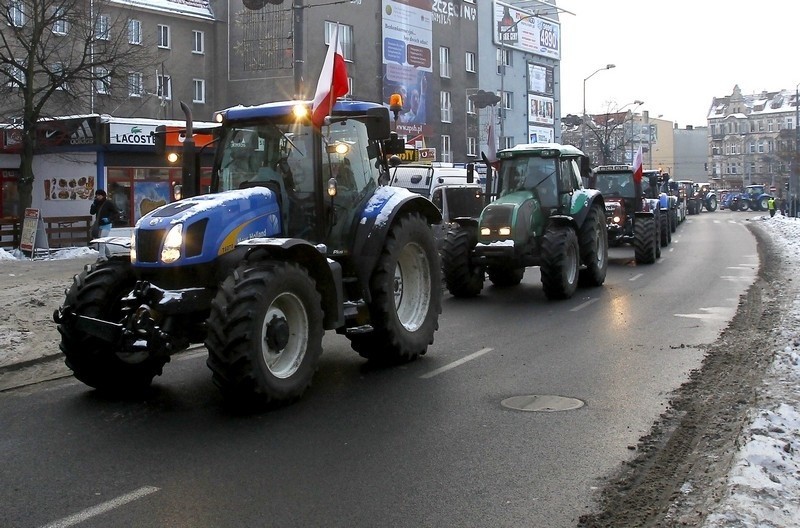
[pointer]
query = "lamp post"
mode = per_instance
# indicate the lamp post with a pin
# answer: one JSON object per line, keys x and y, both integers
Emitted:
{"x": 502, "y": 34}
{"x": 583, "y": 120}
{"x": 795, "y": 177}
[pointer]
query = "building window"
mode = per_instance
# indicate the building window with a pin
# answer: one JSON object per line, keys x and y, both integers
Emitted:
{"x": 505, "y": 100}
{"x": 102, "y": 83}
{"x": 135, "y": 84}
{"x": 163, "y": 36}
{"x": 444, "y": 62}
{"x": 199, "y": 91}
{"x": 16, "y": 13}
{"x": 16, "y": 77}
{"x": 164, "y": 87}
{"x": 57, "y": 72}
{"x": 447, "y": 155}
{"x": 198, "y": 42}
{"x": 60, "y": 24}
{"x": 469, "y": 58}
{"x": 345, "y": 38}
{"x": 470, "y": 106}
{"x": 769, "y": 125}
{"x": 447, "y": 108}
{"x": 134, "y": 31}
{"x": 349, "y": 93}
{"x": 102, "y": 28}
{"x": 472, "y": 146}
{"x": 507, "y": 142}
{"x": 503, "y": 60}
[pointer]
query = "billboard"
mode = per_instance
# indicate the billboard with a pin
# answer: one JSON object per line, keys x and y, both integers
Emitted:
{"x": 540, "y": 79}
{"x": 532, "y": 34}
{"x": 541, "y": 109}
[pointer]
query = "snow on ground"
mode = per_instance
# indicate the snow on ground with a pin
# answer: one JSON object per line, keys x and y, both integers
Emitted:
{"x": 55, "y": 254}
{"x": 764, "y": 481}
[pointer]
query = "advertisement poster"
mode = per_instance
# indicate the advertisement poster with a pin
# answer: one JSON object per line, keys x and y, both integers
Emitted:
{"x": 538, "y": 134}
{"x": 517, "y": 29}
{"x": 540, "y": 79}
{"x": 148, "y": 196}
{"x": 407, "y": 44}
{"x": 81, "y": 188}
{"x": 541, "y": 109}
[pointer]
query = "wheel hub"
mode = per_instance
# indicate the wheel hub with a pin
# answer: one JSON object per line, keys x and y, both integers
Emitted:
{"x": 277, "y": 333}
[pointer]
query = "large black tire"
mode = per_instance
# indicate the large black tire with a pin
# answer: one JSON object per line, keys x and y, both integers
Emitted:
{"x": 505, "y": 276}
{"x": 711, "y": 204}
{"x": 461, "y": 277}
{"x": 96, "y": 292}
{"x": 763, "y": 203}
{"x": 673, "y": 217}
{"x": 645, "y": 244}
{"x": 665, "y": 231}
{"x": 744, "y": 205}
{"x": 560, "y": 262}
{"x": 265, "y": 333}
{"x": 593, "y": 242}
{"x": 406, "y": 295}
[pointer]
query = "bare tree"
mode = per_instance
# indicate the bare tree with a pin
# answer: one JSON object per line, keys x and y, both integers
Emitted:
{"x": 55, "y": 55}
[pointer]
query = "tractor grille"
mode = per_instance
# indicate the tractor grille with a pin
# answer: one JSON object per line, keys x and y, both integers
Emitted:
{"x": 148, "y": 244}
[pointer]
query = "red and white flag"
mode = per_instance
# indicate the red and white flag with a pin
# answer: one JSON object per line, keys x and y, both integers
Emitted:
{"x": 332, "y": 81}
{"x": 637, "y": 166}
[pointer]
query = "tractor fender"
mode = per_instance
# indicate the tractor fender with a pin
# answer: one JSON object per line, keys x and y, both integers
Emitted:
{"x": 580, "y": 213}
{"x": 563, "y": 220}
{"x": 377, "y": 218}
{"x": 663, "y": 200}
{"x": 326, "y": 273}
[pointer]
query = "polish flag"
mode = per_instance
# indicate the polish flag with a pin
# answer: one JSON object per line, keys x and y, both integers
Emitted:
{"x": 637, "y": 166}
{"x": 332, "y": 81}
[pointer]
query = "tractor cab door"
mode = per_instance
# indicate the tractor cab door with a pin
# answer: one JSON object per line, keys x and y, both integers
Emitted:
{"x": 347, "y": 167}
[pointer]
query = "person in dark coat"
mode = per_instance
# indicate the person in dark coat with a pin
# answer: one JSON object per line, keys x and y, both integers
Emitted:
{"x": 105, "y": 212}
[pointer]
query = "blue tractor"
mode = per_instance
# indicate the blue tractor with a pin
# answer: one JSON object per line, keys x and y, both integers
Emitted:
{"x": 298, "y": 235}
{"x": 755, "y": 197}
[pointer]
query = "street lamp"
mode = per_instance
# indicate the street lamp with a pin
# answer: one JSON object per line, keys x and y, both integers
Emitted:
{"x": 502, "y": 33}
{"x": 583, "y": 121}
{"x": 795, "y": 177}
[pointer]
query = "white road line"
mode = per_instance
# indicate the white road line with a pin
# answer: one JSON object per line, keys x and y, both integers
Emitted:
{"x": 94, "y": 511}
{"x": 583, "y": 305}
{"x": 637, "y": 276}
{"x": 454, "y": 364}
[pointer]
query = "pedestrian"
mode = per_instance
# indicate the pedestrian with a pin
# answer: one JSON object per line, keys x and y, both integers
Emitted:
{"x": 105, "y": 212}
{"x": 771, "y": 206}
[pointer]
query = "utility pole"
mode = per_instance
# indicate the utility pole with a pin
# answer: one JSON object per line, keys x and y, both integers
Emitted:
{"x": 297, "y": 38}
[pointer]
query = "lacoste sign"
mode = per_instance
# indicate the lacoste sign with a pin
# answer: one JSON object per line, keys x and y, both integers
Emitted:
{"x": 120, "y": 134}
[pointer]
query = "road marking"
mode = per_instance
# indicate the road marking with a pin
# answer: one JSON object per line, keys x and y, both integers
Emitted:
{"x": 583, "y": 305}
{"x": 94, "y": 511}
{"x": 635, "y": 277}
{"x": 454, "y": 364}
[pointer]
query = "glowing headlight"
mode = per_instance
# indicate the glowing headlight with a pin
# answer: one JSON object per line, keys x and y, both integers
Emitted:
{"x": 616, "y": 219}
{"x": 133, "y": 246}
{"x": 504, "y": 231}
{"x": 485, "y": 231}
{"x": 172, "y": 244}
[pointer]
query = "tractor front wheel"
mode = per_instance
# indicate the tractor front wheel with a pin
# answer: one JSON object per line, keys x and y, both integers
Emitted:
{"x": 97, "y": 292}
{"x": 645, "y": 244}
{"x": 265, "y": 333}
{"x": 560, "y": 260}
{"x": 594, "y": 248}
{"x": 462, "y": 278}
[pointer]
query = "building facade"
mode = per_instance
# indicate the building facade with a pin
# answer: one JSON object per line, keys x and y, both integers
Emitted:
{"x": 752, "y": 140}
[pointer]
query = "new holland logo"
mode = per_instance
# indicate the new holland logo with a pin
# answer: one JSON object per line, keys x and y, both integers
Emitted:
{"x": 82, "y": 135}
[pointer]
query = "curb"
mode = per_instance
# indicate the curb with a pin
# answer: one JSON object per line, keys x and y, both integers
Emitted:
{"x": 12, "y": 367}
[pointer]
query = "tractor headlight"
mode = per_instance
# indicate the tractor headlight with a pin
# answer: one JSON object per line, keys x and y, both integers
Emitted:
{"x": 616, "y": 219}
{"x": 485, "y": 231}
{"x": 504, "y": 231}
{"x": 172, "y": 244}
{"x": 133, "y": 246}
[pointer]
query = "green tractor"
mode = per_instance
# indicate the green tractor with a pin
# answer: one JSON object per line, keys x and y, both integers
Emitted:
{"x": 542, "y": 215}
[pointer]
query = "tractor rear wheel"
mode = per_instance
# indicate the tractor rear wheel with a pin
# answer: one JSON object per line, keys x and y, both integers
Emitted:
{"x": 265, "y": 333}
{"x": 406, "y": 295}
{"x": 505, "y": 276}
{"x": 594, "y": 248}
{"x": 711, "y": 204}
{"x": 462, "y": 278}
{"x": 644, "y": 241}
{"x": 764, "y": 203}
{"x": 666, "y": 232}
{"x": 560, "y": 260}
{"x": 97, "y": 292}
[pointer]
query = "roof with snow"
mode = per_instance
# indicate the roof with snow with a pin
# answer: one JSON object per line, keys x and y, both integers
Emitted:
{"x": 192, "y": 8}
{"x": 743, "y": 106}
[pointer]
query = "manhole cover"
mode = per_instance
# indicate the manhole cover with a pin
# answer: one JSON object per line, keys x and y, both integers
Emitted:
{"x": 542, "y": 403}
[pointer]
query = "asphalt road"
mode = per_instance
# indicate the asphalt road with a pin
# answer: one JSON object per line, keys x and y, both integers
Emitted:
{"x": 427, "y": 444}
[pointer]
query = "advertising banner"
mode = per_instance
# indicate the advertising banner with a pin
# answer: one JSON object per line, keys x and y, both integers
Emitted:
{"x": 537, "y": 134}
{"x": 541, "y": 109}
{"x": 519, "y": 30}
{"x": 540, "y": 79}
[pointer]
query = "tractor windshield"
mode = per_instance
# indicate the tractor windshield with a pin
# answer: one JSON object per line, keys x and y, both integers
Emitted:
{"x": 257, "y": 154}
{"x": 616, "y": 184}
{"x": 535, "y": 174}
